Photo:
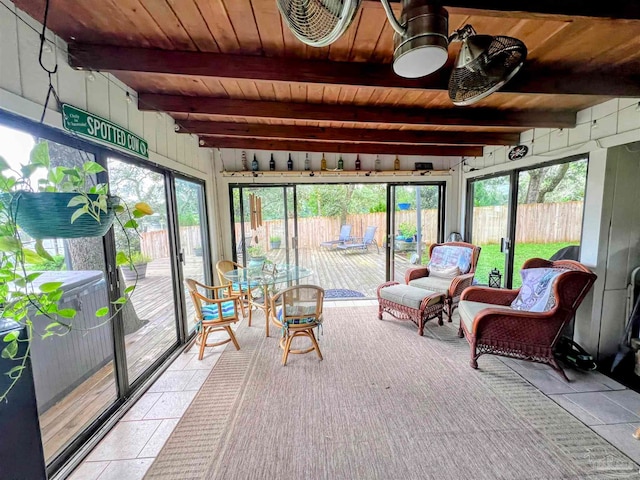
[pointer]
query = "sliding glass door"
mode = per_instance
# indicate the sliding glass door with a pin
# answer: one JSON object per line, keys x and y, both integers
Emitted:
{"x": 526, "y": 213}
{"x": 342, "y": 232}
{"x": 265, "y": 225}
{"x": 83, "y": 376}
{"x": 549, "y": 213}
{"x": 194, "y": 258}
{"x": 149, "y": 319}
{"x": 489, "y": 214}
{"x": 415, "y": 223}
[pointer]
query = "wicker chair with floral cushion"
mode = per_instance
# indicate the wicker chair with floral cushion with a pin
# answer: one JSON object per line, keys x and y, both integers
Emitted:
{"x": 450, "y": 270}
{"x": 525, "y": 323}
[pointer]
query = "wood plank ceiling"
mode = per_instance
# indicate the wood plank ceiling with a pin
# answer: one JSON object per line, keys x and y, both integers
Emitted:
{"x": 231, "y": 71}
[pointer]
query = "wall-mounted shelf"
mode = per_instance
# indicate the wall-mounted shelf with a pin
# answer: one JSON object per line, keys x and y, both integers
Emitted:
{"x": 337, "y": 173}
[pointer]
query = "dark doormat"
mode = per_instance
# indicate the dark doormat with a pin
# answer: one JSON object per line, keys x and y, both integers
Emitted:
{"x": 342, "y": 293}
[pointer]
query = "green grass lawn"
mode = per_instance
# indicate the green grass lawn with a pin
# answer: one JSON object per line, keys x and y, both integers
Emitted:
{"x": 490, "y": 257}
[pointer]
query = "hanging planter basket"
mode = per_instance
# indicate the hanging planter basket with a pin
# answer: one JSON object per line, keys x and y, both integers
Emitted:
{"x": 46, "y": 215}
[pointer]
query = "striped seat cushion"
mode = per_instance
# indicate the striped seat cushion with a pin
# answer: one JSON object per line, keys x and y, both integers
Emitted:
{"x": 299, "y": 310}
{"x": 211, "y": 312}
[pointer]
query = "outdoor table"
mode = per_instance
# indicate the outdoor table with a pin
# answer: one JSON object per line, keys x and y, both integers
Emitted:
{"x": 267, "y": 277}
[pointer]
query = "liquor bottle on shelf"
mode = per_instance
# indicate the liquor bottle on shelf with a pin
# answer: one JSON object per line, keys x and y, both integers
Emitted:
{"x": 396, "y": 163}
{"x": 290, "y": 163}
{"x": 323, "y": 163}
{"x": 254, "y": 164}
{"x": 340, "y": 163}
{"x": 272, "y": 163}
{"x": 307, "y": 165}
{"x": 358, "y": 162}
{"x": 245, "y": 164}
{"x": 377, "y": 164}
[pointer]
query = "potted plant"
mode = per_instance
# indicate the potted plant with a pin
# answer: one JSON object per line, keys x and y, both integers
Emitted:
{"x": 137, "y": 267}
{"x": 407, "y": 231}
{"x": 74, "y": 206}
{"x": 34, "y": 305}
{"x": 275, "y": 241}
{"x": 256, "y": 255}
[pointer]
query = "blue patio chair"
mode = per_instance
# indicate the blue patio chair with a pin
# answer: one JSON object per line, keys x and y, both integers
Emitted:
{"x": 345, "y": 236}
{"x": 362, "y": 243}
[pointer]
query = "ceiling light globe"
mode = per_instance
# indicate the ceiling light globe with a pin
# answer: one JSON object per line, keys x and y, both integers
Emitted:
{"x": 420, "y": 61}
{"x": 422, "y": 49}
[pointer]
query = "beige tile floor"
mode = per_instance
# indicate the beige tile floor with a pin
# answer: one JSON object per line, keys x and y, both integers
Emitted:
{"x": 127, "y": 452}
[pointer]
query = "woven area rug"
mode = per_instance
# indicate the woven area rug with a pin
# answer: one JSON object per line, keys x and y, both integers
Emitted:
{"x": 384, "y": 404}
{"x": 342, "y": 293}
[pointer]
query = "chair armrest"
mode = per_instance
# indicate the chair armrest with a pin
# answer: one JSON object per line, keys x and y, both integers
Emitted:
{"x": 459, "y": 284}
{"x": 417, "y": 272}
{"x": 531, "y": 328}
{"x": 496, "y": 296}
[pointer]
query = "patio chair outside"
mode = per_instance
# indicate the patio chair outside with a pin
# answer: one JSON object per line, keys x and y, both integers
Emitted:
{"x": 362, "y": 243}
{"x": 345, "y": 236}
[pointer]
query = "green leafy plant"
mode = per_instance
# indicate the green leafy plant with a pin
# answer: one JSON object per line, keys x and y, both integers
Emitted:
{"x": 407, "y": 229}
{"x": 138, "y": 258}
{"x": 56, "y": 264}
{"x": 255, "y": 251}
{"x": 275, "y": 238}
{"x": 35, "y": 306}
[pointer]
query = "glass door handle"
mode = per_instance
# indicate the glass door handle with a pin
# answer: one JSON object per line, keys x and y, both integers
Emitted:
{"x": 505, "y": 245}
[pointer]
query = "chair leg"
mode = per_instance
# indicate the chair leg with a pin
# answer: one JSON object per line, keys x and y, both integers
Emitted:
{"x": 315, "y": 343}
{"x": 474, "y": 356}
{"x": 250, "y": 314}
{"x": 204, "y": 333}
{"x": 287, "y": 346}
{"x": 449, "y": 305}
{"x": 232, "y": 335}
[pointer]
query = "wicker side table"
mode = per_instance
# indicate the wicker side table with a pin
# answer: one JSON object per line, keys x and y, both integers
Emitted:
{"x": 405, "y": 302}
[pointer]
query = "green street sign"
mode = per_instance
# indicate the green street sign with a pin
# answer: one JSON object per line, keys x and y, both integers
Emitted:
{"x": 97, "y": 128}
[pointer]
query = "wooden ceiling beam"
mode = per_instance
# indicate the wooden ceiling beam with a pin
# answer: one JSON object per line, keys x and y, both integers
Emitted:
{"x": 557, "y": 9}
{"x": 363, "y": 147}
{"x": 353, "y": 113}
{"x": 531, "y": 80}
{"x": 297, "y": 132}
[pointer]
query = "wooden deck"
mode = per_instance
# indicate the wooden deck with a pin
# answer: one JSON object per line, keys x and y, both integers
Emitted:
{"x": 361, "y": 271}
{"x": 153, "y": 301}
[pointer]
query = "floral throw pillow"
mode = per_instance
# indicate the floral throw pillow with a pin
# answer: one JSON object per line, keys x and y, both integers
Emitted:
{"x": 444, "y": 256}
{"x": 536, "y": 293}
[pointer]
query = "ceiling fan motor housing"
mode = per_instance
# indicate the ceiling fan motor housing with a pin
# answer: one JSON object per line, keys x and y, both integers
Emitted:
{"x": 423, "y": 48}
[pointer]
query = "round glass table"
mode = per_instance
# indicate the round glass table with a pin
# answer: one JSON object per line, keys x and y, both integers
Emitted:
{"x": 267, "y": 277}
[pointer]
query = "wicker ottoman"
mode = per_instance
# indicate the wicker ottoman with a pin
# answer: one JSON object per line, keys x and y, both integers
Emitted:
{"x": 405, "y": 302}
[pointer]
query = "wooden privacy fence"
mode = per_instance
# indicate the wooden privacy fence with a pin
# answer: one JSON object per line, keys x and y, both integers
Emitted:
{"x": 536, "y": 223}
{"x": 314, "y": 230}
{"x": 156, "y": 243}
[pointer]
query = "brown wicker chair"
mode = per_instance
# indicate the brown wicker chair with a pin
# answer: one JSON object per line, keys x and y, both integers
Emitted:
{"x": 452, "y": 288}
{"x": 490, "y": 325}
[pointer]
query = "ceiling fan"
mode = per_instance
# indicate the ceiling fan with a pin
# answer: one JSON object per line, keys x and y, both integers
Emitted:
{"x": 485, "y": 63}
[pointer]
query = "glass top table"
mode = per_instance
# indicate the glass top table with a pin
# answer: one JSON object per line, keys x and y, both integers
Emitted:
{"x": 266, "y": 276}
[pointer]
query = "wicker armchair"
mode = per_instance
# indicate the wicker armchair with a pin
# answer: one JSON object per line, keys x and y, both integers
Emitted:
{"x": 451, "y": 287}
{"x": 490, "y": 325}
